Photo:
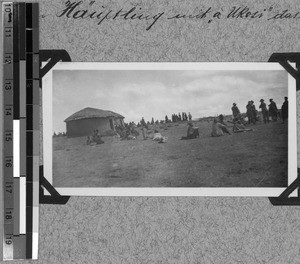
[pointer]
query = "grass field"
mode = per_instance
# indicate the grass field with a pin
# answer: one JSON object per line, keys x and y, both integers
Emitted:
{"x": 252, "y": 159}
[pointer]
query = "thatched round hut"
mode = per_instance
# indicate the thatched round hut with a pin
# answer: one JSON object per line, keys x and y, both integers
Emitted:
{"x": 85, "y": 121}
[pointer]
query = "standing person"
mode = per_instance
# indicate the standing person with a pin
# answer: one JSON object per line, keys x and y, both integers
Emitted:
{"x": 285, "y": 110}
{"x": 264, "y": 111}
{"x": 235, "y": 110}
{"x": 144, "y": 132}
{"x": 254, "y": 113}
{"x": 249, "y": 112}
{"x": 143, "y": 123}
{"x": 179, "y": 116}
{"x": 166, "y": 119}
{"x": 273, "y": 110}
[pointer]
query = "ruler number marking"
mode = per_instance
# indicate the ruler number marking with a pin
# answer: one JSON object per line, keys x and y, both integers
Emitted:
{"x": 8, "y": 239}
{"x": 8, "y": 163}
{"x": 7, "y": 85}
{"x": 8, "y": 110}
{"x": 9, "y": 188}
{"x": 8, "y": 215}
{"x": 8, "y": 58}
{"x": 8, "y": 32}
{"x": 8, "y": 136}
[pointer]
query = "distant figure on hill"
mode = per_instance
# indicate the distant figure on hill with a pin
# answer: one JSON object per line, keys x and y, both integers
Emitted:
{"x": 144, "y": 132}
{"x": 166, "y": 119}
{"x": 192, "y": 132}
{"x": 235, "y": 110}
{"x": 218, "y": 129}
{"x": 143, "y": 123}
{"x": 285, "y": 110}
{"x": 273, "y": 110}
{"x": 264, "y": 111}
{"x": 179, "y": 117}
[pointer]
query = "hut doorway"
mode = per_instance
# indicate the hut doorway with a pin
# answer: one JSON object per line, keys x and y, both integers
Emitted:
{"x": 111, "y": 124}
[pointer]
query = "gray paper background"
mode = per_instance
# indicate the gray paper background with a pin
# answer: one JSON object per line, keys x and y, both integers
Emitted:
{"x": 173, "y": 229}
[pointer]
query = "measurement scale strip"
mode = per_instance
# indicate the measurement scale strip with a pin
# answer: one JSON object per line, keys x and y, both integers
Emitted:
{"x": 8, "y": 85}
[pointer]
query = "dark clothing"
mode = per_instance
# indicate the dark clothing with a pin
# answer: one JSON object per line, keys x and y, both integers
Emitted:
{"x": 254, "y": 114}
{"x": 235, "y": 111}
{"x": 285, "y": 110}
{"x": 263, "y": 107}
{"x": 250, "y": 113}
{"x": 192, "y": 132}
{"x": 273, "y": 111}
{"x": 264, "y": 112}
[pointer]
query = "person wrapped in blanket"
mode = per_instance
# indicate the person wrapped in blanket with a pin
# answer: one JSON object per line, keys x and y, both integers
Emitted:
{"x": 219, "y": 127}
{"x": 192, "y": 131}
{"x": 239, "y": 125}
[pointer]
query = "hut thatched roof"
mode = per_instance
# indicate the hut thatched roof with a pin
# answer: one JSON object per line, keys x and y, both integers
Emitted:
{"x": 89, "y": 112}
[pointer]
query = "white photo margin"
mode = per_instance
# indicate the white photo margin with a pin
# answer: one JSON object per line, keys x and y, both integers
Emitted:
{"x": 161, "y": 191}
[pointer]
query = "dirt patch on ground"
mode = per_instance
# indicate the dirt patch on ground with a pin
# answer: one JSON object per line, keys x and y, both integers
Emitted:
{"x": 252, "y": 159}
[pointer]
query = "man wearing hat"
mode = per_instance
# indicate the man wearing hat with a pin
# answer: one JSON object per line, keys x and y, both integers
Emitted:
{"x": 235, "y": 110}
{"x": 285, "y": 109}
{"x": 264, "y": 111}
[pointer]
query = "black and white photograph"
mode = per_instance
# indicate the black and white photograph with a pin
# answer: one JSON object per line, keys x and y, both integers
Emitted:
{"x": 184, "y": 128}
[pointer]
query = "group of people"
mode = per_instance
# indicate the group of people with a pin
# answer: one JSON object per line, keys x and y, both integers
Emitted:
{"x": 175, "y": 118}
{"x": 180, "y": 117}
{"x": 219, "y": 126}
{"x": 270, "y": 111}
{"x": 127, "y": 131}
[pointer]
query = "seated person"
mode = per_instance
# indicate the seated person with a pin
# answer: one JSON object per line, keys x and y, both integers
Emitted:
{"x": 95, "y": 139}
{"x": 218, "y": 129}
{"x": 192, "y": 132}
{"x": 237, "y": 128}
{"x": 221, "y": 120}
{"x": 239, "y": 119}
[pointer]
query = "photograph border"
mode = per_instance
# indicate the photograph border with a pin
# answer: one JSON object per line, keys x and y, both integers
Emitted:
{"x": 163, "y": 191}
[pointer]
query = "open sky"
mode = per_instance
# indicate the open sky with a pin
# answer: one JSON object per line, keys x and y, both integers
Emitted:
{"x": 153, "y": 93}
